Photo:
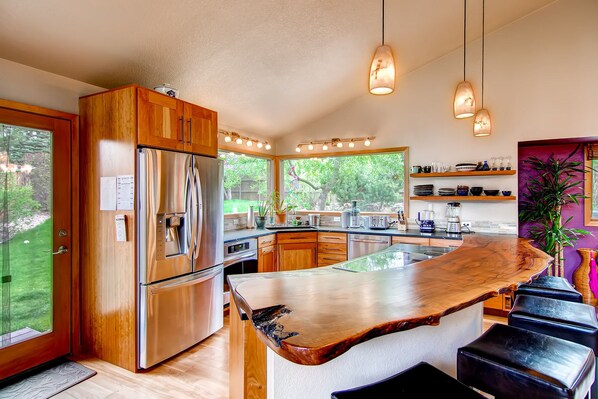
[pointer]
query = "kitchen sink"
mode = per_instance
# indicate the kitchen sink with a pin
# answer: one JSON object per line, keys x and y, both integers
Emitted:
{"x": 302, "y": 227}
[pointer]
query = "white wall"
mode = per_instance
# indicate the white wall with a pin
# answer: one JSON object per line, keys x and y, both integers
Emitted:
{"x": 28, "y": 85}
{"x": 541, "y": 82}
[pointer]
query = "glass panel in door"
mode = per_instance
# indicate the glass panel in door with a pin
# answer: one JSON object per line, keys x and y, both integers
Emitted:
{"x": 26, "y": 233}
{"x": 35, "y": 239}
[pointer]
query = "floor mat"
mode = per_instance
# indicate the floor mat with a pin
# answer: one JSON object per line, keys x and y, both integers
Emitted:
{"x": 48, "y": 382}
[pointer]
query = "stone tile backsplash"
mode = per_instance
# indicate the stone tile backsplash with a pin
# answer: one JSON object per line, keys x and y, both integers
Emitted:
{"x": 480, "y": 226}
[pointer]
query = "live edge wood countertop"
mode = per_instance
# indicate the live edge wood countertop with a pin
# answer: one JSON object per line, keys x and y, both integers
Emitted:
{"x": 312, "y": 316}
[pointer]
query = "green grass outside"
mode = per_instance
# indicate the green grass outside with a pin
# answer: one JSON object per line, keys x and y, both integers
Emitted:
{"x": 31, "y": 285}
{"x": 237, "y": 205}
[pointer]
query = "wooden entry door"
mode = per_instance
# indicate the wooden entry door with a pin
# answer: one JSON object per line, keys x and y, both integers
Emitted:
{"x": 36, "y": 238}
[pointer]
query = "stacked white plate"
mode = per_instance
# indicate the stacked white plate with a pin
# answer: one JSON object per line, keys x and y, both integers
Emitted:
{"x": 465, "y": 167}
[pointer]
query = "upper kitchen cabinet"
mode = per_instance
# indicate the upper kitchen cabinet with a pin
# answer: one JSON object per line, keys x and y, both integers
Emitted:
{"x": 168, "y": 123}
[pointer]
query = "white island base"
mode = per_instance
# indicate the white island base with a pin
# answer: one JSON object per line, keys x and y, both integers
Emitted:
{"x": 377, "y": 358}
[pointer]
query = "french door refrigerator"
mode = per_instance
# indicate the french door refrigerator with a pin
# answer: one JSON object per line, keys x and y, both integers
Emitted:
{"x": 179, "y": 252}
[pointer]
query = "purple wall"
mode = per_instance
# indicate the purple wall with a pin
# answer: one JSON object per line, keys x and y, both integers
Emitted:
{"x": 571, "y": 256}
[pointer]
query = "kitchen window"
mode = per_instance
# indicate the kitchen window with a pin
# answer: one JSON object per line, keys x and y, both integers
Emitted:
{"x": 247, "y": 179}
{"x": 591, "y": 185}
{"x": 329, "y": 183}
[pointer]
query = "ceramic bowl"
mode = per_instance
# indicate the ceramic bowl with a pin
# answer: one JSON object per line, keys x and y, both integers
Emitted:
{"x": 491, "y": 193}
{"x": 506, "y": 193}
{"x": 476, "y": 191}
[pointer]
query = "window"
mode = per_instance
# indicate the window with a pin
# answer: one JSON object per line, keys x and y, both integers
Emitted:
{"x": 591, "y": 185}
{"x": 246, "y": 180}
{"x": 375, "y": 180}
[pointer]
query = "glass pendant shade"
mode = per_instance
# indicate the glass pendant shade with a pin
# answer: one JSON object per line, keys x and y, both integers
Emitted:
{"x": 382, "y": 72}
{"x": 464, "y": 103}
{"x": 482, "y": 125}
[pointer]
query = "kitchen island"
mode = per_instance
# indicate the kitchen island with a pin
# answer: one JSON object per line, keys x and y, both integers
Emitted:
{"x": 310, "y": 320}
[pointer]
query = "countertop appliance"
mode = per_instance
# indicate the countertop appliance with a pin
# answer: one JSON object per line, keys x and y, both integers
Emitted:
{"x": 179, "y": 252}
{"x": 425, "y": 220}
{"x": 379, "y": 222}
{"x": 354, "y": 219}
{"x": 453, "y": 221}
{"x": 365, "y": 244}
{"x": 240, "y": 257}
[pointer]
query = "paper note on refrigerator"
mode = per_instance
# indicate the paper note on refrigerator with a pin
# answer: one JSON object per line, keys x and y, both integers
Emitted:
{"x": 108, "y": 193}
{"x": 125, "y": 192}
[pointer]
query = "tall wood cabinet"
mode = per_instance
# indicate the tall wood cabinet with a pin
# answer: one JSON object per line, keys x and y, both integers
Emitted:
{"x": 267, "y": 254}
{"x": 112, "y": 126}
{"x": 297, "y": 250}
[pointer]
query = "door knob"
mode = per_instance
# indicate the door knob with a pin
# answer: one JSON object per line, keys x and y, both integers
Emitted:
{"x": 61, "y": 250}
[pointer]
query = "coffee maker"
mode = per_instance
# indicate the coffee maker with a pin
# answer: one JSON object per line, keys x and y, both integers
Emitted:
{"x": 453, "y": 222}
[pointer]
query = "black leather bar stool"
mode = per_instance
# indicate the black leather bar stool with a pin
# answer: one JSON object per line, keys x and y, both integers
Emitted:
{"x": 422, "y": 381}
{"x": 550, "y": 287}
{"x": 514, "y": 363}
{"x": 574, "y": 322}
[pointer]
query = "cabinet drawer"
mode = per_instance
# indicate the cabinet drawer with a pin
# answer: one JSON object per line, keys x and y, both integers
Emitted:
{"x": 328, "y": 248}
{"x": 339, "y": 238}
{"x": 410, "y": 240}
{"x": 265, "y": 241}
{"x": 494, "y": 303}
{"x": 440, "y": 242}
{"x": 330, "y": 259}
{"x": 295, "y": 238}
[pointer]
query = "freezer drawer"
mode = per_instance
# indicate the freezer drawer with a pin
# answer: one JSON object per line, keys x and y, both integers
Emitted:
{"x": 178, "y": 313}
{"x": 364, "y": 244}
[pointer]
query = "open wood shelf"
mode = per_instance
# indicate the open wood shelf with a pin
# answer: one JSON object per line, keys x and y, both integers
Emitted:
{"x": 460, "y": 198}
{"x": 465, "y": 174}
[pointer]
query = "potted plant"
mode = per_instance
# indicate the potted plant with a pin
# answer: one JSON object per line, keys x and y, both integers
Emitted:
{"x": 263, "y": 207}
{"x": 279, "y": 208}
{"x": 556, "y": 185}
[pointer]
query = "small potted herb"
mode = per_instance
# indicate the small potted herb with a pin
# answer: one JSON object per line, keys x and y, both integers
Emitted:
{"x": 263, "y": 207}
{"x": 279, "y": 208}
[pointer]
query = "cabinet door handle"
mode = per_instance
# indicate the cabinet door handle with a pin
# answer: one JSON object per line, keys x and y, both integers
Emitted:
{"x": 190, "y": 121}
{"x": 182, "y": 129}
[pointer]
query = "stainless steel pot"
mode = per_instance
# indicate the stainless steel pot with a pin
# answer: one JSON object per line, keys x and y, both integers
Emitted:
{"x": 314, "y": 219}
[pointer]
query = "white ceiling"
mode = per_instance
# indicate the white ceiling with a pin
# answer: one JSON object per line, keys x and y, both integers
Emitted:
{"x": 266, "y": 66}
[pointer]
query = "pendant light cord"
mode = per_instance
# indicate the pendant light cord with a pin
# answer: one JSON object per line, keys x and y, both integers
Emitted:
{"x": 383, "y": 22}
{"x": 464, "y": 36}
{"x": 483, "y": 45}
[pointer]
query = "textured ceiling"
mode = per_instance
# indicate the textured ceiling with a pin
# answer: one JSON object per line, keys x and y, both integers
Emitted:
{"x": 266, "y": 66}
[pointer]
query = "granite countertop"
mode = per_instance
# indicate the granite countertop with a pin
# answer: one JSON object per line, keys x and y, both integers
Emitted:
{"x": 286, "y": 308}
{"x": 234, "y": 235}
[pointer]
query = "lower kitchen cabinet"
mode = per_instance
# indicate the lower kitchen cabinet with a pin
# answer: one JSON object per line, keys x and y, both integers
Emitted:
{"x": 499, "y": 305}
{"x": 266, "y": 259}
{"x": 410, "y": 240}
{"x": 332, "y": 248}
{"x": 297, "y": 256}
{"x": 441, "y": 242}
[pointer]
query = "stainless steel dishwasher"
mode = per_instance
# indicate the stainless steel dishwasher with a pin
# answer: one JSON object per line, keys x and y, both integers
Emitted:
{"x": 365, "y": 244}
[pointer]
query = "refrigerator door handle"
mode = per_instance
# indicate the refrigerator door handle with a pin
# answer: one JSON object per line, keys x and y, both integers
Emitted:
{"x": 160, "y": 288}
{"x": 193, "y": 213}
{"x": 199, "y": 219}
{"x": 188, "y": 205}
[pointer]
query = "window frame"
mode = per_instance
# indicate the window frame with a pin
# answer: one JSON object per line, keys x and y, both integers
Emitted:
{"x": 588, "y": 189}
{"x": 239, "y": 150}
{"x": 279, "y": 179}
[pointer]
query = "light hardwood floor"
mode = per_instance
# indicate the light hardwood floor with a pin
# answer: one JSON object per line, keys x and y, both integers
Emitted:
{"x": 201, "y": 372}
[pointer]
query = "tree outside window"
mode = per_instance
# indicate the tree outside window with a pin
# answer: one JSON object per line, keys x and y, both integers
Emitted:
{"x": 376, "y": 181}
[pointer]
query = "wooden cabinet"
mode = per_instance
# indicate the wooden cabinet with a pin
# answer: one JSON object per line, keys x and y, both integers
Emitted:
{"x": 266, "y": 259}
{"x": 410, "y": 240}
{"x": 441, "y": 242}
{"x": 297, "y": 250}
{"x": 168, "y": 123}
{"x": 332, "y": 248}
{"x": 266, "y": 241}
{"x": 499, "y": 305}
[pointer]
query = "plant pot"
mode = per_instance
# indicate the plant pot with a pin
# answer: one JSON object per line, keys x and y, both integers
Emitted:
{"x": 581, "y": 278}
{"x": 260, "y": 222}
{"x": 281, "y": 217}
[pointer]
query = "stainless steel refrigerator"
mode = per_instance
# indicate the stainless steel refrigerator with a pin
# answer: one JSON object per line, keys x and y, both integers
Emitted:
{"x": 180, "y": 225}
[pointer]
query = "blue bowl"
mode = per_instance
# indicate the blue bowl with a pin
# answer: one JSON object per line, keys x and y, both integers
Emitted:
{"x": 506, "y": 193}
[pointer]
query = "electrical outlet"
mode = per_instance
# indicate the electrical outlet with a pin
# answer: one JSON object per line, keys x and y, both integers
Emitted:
{"x": 235, "y": 222}
{"x": 336, "y": 219}
{"x": 466, "y": 225}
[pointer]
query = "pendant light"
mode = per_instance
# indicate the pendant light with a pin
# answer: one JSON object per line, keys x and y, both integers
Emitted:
{"x": 464, "y": 102}
{"x": 382, "y": 72}
{"x": 482, "y": 124}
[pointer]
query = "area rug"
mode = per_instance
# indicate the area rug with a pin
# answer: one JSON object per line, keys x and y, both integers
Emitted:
{"x": 48, "y": 382}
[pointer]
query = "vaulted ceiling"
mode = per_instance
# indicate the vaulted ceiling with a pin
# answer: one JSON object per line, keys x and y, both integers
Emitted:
{"x": 266, "y": 66}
